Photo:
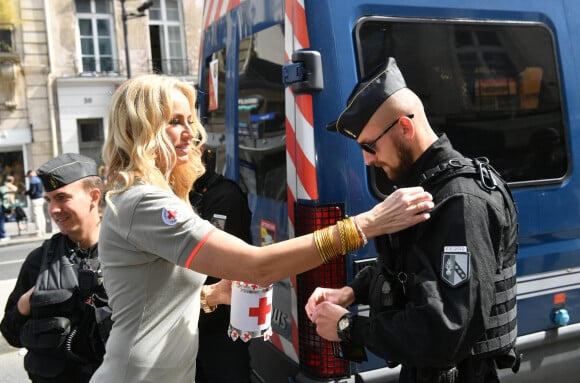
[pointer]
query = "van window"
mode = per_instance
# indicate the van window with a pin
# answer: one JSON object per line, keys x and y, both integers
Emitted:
{"x": 493, "y": 88}
{"x": 214, "y": 116}
{"x": 261, "y": 115}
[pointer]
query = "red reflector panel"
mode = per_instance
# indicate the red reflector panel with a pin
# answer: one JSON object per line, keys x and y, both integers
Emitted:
{"x": 559, "y": 299}
{"x": 316, "y": 357}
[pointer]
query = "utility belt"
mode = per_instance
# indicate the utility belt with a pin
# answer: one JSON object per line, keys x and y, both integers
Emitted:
{"x": 429, "y": 375}
{"x": 471, "y": 369}
{"x": 447, "y": 376}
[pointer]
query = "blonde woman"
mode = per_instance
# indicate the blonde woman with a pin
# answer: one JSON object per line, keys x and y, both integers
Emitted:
{"x": 156, "y": 252}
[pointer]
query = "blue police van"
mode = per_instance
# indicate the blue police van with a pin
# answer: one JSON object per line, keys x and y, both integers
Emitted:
{"x": 500, "y": 78}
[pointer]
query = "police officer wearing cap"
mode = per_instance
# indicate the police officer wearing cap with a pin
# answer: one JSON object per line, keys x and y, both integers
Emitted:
{"x": 442, "y": 294}
{"x": 58, "y": 308}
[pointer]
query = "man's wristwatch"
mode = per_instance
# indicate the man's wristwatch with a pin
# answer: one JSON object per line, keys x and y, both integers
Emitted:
{"x": 344, "y": 326}
{"x": 205, "y": 307}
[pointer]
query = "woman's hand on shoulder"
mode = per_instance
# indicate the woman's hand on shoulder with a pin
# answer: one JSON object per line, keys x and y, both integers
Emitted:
{"x": 402, "y": 209}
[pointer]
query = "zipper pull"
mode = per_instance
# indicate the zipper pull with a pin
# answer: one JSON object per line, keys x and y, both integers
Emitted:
{"x": 402, "y": 277}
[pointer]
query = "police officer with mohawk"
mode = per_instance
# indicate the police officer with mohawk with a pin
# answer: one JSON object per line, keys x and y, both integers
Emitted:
{"x": 442, "y": 294}
{"x": 58, "y": 308}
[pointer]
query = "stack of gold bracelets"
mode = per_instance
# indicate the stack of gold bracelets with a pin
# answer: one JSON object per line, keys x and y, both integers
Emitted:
{"x": 351, "y": 238}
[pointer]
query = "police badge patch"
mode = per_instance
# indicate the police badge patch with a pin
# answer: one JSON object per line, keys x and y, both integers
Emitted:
{"x": 455, "y": 265}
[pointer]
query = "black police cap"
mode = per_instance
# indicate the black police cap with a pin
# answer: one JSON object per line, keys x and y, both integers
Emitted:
{"x": 367, "y": 96}
{"x": 65, "y": 169}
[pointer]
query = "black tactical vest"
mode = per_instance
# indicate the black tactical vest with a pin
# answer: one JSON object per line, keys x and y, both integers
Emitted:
{"x": 500, "y": 336}
{"x": 62, "y": 329}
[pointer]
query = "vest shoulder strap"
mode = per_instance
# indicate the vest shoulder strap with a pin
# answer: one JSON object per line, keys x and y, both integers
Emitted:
{"x": 479, "y": 168}
{"x": 50, "y": 245}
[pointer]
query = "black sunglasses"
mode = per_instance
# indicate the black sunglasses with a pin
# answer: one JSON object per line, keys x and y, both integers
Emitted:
{"x": 370, "y": 147}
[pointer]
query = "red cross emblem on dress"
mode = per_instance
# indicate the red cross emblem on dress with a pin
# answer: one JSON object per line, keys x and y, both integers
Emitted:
{"x": 251, "y": 311}
{"x": 170, "y": 215}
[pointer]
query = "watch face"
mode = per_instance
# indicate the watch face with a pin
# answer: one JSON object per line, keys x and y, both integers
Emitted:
{"x": 343, "y": 323}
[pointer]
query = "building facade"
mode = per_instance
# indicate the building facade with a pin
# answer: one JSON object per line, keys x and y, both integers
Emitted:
{"x": 61, "y": 60}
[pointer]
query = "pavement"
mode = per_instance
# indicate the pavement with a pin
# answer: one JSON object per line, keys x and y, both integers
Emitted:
{"x": 25, "y": 235}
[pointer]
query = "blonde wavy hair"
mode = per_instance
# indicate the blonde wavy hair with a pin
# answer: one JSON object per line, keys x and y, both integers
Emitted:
{"x": 137, "y": 147}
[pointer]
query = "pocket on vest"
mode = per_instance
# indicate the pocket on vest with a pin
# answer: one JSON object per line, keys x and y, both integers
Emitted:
{"x": 43, "y": 303}
{"x": 45, "y": 333}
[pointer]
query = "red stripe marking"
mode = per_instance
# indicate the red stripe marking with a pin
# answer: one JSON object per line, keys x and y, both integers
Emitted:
{"x": 233, "y": 4}
{"x": 291, "y": 200}
{"x": 197, "y": 247}
{"x": 275, "y": 339}
{"x": 288, "y": 10}
{"x": 306, "y": 171}
{"x": 207, "y": 15}
{"x": 299, "y": 24}
{"x": 217, "y": 11}
{"x": 304, "y": 102}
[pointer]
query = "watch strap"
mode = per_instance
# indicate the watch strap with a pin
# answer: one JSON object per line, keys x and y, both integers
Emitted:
{"x": 344, "y": 331}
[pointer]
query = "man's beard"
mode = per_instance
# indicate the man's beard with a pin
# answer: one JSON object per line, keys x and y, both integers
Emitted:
{"x": 405, "y": 162}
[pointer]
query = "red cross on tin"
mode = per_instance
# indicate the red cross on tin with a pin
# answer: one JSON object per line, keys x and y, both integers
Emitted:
{"x": 261, "y": 311}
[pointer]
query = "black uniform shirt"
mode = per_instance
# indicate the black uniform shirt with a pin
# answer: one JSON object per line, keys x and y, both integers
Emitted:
{"x": 223, "y": 203}
{"x": 432, "y": 288}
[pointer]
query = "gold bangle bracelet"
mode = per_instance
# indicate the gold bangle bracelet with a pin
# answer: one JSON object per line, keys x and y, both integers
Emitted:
{"x": 328, "y": 245}
{"x": 353, "y": 238}
{"x": 342, "y": 236}
{"x": 319, "y": 245}
{"x": 325, "y": 244}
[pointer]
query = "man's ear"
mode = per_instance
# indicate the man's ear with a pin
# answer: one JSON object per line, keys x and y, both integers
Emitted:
{"x": 407, "y": 127}
{"x": 95, "y": 196}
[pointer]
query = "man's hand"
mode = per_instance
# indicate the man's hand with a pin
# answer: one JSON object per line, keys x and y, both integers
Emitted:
{"x": 325, "y": 316}
{"x": 326, "y": 306}
{"x": 23, "y": 304}
{"x": 343, "y": 297}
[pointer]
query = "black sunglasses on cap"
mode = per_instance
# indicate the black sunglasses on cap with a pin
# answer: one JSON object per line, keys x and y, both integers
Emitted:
{"x": 370, "y": 147}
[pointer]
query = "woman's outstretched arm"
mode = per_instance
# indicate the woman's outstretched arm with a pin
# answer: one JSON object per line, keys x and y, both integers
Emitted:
{"x": 226, "y": 256}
